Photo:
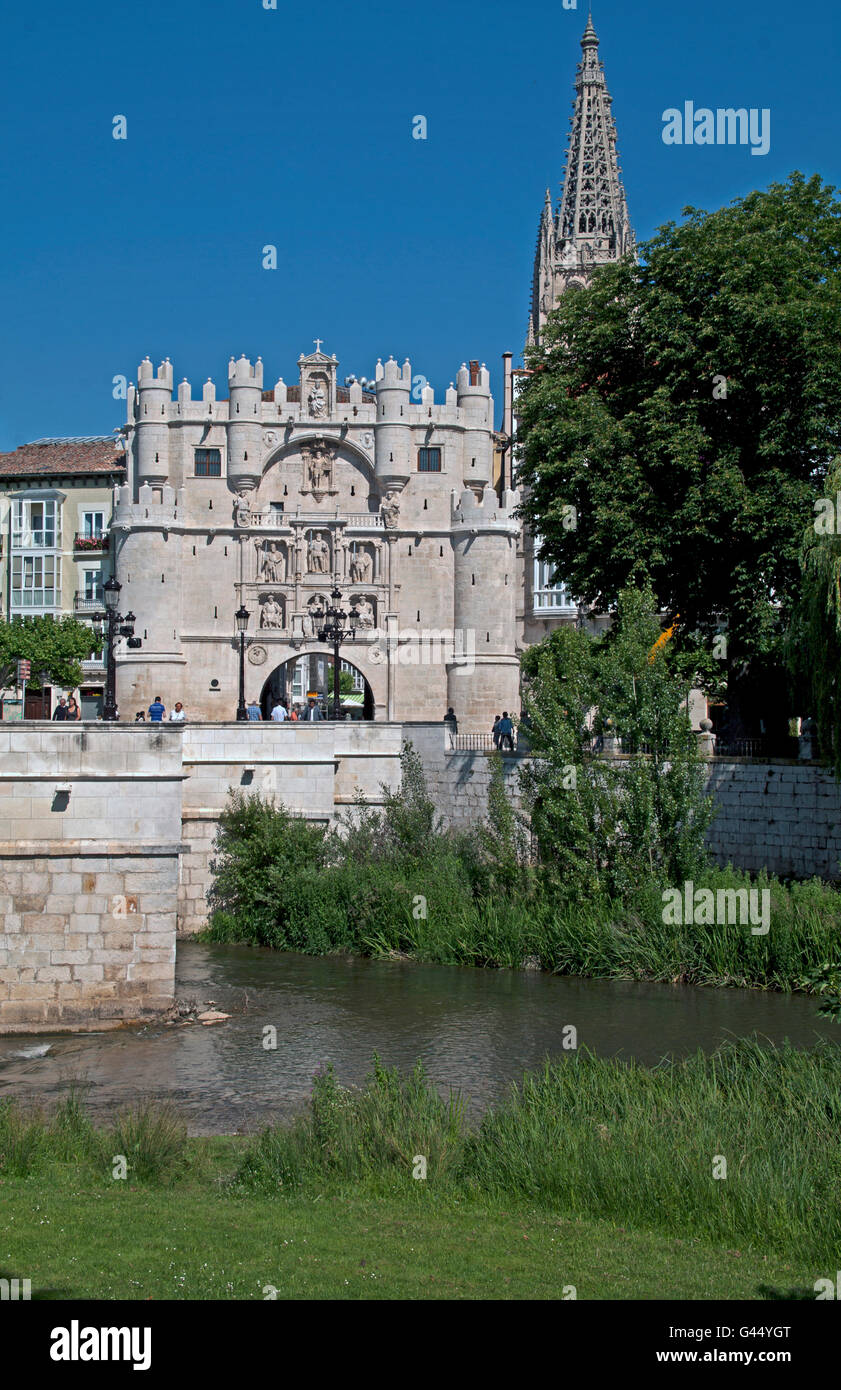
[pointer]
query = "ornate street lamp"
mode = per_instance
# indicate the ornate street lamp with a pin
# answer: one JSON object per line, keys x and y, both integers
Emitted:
{"x": 337, "y": 625}
{"x": 242, "y": 615}
{"x": 116, "y": 624}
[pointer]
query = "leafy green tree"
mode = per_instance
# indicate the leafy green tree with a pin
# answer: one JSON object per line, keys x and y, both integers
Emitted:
{"x": 687, "y": 408}
{"x": 604, "y": 823}
{"x": 54, "y": 645}
{"x": 814, "y": 647}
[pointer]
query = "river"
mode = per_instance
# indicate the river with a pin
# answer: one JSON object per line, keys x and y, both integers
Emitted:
{"x": 476, "y": 1030}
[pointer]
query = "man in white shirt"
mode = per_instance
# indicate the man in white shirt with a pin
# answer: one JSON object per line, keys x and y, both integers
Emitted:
{"x": 280, "y": 712}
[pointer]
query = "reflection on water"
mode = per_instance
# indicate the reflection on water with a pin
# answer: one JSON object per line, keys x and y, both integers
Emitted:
{"x": 476, "y": 1030}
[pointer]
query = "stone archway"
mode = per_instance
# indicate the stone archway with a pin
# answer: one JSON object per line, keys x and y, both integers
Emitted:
{"x": 294, "y": 678}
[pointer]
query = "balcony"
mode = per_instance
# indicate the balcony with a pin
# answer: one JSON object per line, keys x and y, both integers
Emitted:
{"x": 89, "y": 603}
{"x": 90, "y": 544}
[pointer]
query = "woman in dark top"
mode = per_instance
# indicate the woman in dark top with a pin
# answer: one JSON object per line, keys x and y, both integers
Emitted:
{"x": 73, "y": 711}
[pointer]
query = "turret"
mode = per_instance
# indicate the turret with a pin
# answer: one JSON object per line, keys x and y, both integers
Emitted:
{"x": 484, "y": 539}
{"x": 154, "y": 395}
{"x": 392, "y": 433}
{"x": 245, "y": 424}
{"x": 476, "y": 407}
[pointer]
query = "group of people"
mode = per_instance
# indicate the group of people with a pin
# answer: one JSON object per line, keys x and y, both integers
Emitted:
{"x": 280, "y": 711}
{"x": 157, "y": 713}
{"x": 67, "y": 709}
{"x": 502, "y": 731}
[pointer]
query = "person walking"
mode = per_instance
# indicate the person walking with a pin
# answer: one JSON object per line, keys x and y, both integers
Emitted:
{"x": 60, "y": 711}
{"x": 140, "y": 717}
{"x": 157, "y": 710}
{"x": 495, "y": 730}
{"x": 280, "y": 712}
{"x": 73, "y": 711}
{"x": 178, "y": 715}
{"x": 293, "y": 714}
{"x": 313, "y": 713}
{"x": 505, "y": 732}
{"x": 253, "y": 710}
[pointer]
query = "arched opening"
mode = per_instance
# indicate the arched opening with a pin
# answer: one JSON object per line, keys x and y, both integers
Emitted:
{"x": 301, "y": 677}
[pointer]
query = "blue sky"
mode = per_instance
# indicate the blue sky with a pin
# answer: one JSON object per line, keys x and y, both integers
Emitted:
{"x": 293, "y": 127}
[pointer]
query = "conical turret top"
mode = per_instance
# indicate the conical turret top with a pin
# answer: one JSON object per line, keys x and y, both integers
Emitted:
{"x": 590, "y": 36}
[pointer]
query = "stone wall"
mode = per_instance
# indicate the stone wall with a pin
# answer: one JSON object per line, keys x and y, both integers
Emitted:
{"x": 314, "y": 770}
{"x": 783, "y": 816}
{"x": 90, "y": 834}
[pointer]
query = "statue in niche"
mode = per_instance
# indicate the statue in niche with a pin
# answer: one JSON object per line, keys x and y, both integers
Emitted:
{"x": 271, "y": 615}
{"x": 320, "y": 468}
{"x": 360, "y": 567}
{"x": 271, "y": 562}
{"x": 317, "y": 401}
{"x": 318, "y": 555}
{"x": 364, "y": 611}
{"x": 391, "y": 509}
{"x": 311, "y": 622}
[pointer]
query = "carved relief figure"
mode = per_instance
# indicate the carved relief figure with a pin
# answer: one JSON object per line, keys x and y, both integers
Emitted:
{"x": 271, "y": 615}
{"x": 318, "y": 466}
{"x": 317, "y": 400}
{"x": 318, "y": 555}
{"x": 360, "y": 567}
{"x": 391, "y": 509}
{"x": 271, "y": 562}
{"x": 364, "y": 611}
{"x": 310, "y": 621}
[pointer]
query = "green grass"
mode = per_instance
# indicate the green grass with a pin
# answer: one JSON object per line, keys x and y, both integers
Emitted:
{"x": 74, "y": 1240}
{"x": 592, "y": 1173}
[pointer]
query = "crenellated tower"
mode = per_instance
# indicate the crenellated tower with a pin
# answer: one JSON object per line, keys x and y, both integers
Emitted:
{"x": 484, "y": 676}
{"x": 591, "y": 225}
{"x": 245, "y": 424}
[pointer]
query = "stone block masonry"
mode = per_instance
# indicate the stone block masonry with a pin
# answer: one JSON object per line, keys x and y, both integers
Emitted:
{"x": 90, "y": 837}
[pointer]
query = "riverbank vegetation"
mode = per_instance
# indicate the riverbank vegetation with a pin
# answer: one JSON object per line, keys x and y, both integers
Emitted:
{"x": 712, "y": 1177}
{"x": 574, "y": 883}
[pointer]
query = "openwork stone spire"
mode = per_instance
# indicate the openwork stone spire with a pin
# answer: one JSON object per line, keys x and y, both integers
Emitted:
{"x": 591, "y": 225}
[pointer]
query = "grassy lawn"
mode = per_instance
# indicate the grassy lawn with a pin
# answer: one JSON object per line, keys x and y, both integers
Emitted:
{"x": 79, "y": 1236}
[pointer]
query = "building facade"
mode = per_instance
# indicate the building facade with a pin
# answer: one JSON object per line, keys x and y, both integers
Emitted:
{"x": 273, "y": 499}
{"x": 56, "y": 497}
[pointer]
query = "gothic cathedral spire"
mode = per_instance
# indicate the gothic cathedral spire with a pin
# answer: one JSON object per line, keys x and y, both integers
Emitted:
{"x": 591, "y": 225}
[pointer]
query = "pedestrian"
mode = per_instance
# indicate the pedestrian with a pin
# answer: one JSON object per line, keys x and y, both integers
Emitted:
{"x": 140, "y": 717}
{"x": 156, "y": 710}
{"x": 495, "y": 730}
{"x": 294, "y": 714}
{"x": 450, "y": 718}
{"x": 73, "y": 711}
{"x": 505, "y": 731}
{"x": 280, "y": 712}
{"x": 60, "y": 709}
{"x": 313, "y": 713}
{"x": 253, "y": 710}
{"x": 178, "y": 715}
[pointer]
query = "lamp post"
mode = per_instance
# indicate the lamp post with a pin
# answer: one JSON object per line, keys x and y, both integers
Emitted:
{"x": 116, "y": 624}
{"x": 242, "y": 615}
{"x": 337, "y": 625}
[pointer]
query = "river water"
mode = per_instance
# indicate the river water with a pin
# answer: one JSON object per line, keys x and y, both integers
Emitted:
{"x": 476, "y": 1030}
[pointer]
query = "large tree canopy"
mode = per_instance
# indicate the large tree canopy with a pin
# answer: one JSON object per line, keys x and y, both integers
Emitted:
{"x": 54, "y": 645}
{"x": 688, "y": 407}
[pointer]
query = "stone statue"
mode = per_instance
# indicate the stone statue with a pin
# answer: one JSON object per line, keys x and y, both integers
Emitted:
{"x": 271, "y": 615}
{"x": 311, "y": 621}
{"x": 318, "y": 555}
{"x": 391, "y": 509}
{"x": 317, "y": 400}
{"x": 364, "y": 613}
{"x": 360, "y": 567}
{"x": 271, "y": 562}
